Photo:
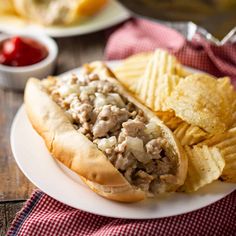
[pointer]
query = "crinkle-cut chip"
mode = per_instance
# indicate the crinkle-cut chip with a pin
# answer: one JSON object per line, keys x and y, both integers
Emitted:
{"x": 234, "y": 112}
{"x": 229, "y": 172}
{"x": 131, "y": 69}
{"x": 226, "y": 142}
{"x": 143, "y": 83}
{"x": 205, "y": 164}
{"x": 165, "y": 87}
{"x": 190, "y": 134}
{"x": 222, "y": 141}
{"x": 199, "y": 100}
{"x": 227, "y": 89}
{"x": 159, "y": 64}
{"x": 160, "y": 77}
{"x": 234, "y": 115}
{"x": 169, "y": 119}
{"x": 182, "y": 72}
{"x": 234, "y": 120}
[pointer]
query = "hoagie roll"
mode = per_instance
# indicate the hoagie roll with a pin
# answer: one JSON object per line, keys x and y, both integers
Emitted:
{"x": 118, "y": 147}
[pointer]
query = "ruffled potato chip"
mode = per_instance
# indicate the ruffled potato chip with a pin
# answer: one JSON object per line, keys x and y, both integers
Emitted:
{"x": 169, "y": 119}
{"x": 205, "y": 164}
{"x": 226, "y": 88}
{"x": 234, "y": 120}
{"x": 200, "y": 100}
{"x": 190, "y": 134}
{"x": 166, "y": 86}
{"x": 226, "y": 143}
{"x": 234, "y": 113}
{"x": 229, "y": 172}
{"x": 160, "y": 77}
{"x": 131, "y": 69}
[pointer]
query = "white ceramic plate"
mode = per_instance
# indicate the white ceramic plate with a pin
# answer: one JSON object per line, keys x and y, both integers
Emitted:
{"x": 112, "y": 14}
{"x": 62, "y": 184}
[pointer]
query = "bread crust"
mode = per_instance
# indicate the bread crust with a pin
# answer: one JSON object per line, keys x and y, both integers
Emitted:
{"x": 120, "y": 194}
{"x": 79, "y": 154}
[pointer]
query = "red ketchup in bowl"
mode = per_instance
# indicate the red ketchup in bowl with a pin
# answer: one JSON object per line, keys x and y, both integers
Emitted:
{"x": 21, "y": 51}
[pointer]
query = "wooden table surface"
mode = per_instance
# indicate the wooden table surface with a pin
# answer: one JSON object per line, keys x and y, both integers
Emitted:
{"x": 15, "y": 188}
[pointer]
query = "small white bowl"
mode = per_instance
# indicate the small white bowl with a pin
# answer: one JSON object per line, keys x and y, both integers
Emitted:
{"x": 16, "y": 77}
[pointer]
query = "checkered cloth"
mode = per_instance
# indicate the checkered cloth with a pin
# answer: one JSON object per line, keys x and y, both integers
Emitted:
{"x": 42, "y": 215}
{"x": 143, "y": 35}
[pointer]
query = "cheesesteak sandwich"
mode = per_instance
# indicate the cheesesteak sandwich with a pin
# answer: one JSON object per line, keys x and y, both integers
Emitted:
{"x": 119, "y": 148}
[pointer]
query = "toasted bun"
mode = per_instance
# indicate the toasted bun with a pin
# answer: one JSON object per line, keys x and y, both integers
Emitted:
{"x": 121, "y": 194}
{"x": 72, "y": 148}
{"x": 79, "y": 154}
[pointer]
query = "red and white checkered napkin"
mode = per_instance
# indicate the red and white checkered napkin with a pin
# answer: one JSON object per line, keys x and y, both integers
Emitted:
{"x": 142, "y": 35}
{"x": 42, "y": 215}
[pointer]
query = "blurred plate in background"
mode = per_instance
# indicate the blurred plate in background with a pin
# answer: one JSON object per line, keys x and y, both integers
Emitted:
{"x": 112, "y": 14}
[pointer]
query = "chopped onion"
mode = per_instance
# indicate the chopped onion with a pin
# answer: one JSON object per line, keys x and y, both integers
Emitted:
{"x": 111, "y": 98}
{"x": 135, "y": 146}
{"x": 105, "y": 143}
{"x": 115, "y": 99}
{"x": 100, "y": 100}
{"x": 152, "y": 129}
{"x": 66, "y": 90}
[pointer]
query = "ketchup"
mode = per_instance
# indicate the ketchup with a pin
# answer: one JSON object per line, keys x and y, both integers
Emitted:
{"x": 21, "y": 51}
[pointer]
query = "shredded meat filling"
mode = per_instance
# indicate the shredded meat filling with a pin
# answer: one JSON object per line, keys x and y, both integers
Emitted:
{"x": 133, "y": 127}
{"x": 132, "y": 142}
{"x": 109, "y": 117}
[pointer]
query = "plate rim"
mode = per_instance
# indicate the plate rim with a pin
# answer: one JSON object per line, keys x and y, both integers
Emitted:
{"x": 73, "y": 30}
{"x": 13, "y": 128}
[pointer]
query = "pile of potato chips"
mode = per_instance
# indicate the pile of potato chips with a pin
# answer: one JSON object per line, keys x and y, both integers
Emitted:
{"x": 200, "y": 109}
